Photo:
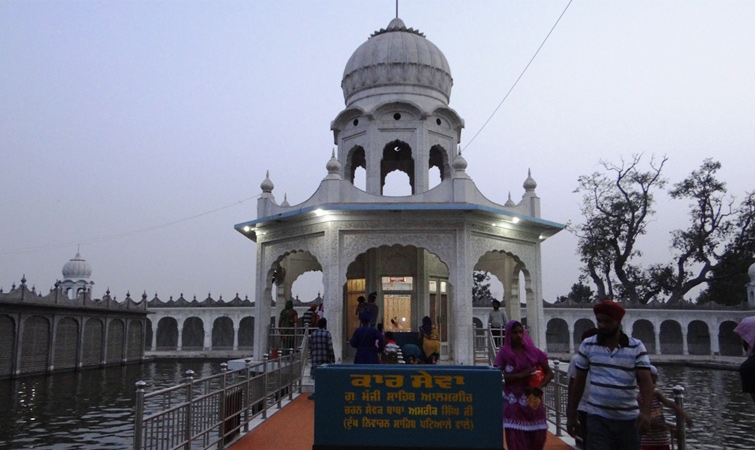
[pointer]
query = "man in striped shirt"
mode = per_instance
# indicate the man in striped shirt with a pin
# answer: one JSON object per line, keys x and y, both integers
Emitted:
{"x": 617, "y": 364}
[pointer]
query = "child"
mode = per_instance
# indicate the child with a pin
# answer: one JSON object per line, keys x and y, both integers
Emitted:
{"x": 658, "y": 437}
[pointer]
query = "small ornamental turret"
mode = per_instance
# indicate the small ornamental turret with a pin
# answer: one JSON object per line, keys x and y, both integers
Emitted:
{"x": 509, "y": 202}
{"x": 285, "y": 201}
{"x": 267, "y": 185}
{"x": 334, "y": 167}
{"x": 529, "y": 184}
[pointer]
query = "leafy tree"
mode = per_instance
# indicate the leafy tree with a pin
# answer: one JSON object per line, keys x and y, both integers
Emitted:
{"x": 481, "y": 294}
{"x": 617, "y": 205}
{"x": 580, "y": 293}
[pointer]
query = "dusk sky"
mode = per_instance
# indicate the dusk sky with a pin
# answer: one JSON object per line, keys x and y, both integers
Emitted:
{"x": 142, "y": 130}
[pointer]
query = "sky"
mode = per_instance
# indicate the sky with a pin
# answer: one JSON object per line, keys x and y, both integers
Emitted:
{"x": 140, "y": 131}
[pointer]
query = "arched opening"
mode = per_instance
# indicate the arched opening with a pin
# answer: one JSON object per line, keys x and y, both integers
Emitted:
{"x": 115, "y": 341}
{"x": 728, "y": 341}
{"x": 308, "y": 286}
{"x": 7, "y": 344}
{"x": 148, "y": 335}
{"x": 397, "y": 156}
{"x": 93, "y": 342}
{"x": 698, "y": 338}
{"x": 135, "y": 343}
{"x": 409, "y": 283}
{"x": 356, "y": 166}
{"x": 644, "y": 331}
{"x": 438, "y": 166}
{"x": 246, "y": 333}
{"x": 167, "y": 334}
{"x": 35, "y": 342}
{"x": 66, "y": 343}
{"x": 671, "y": 338}
{"x": 192, "y": 337}
{"x": 222, "y": 334}
{"x": 580, "y": 326}
{"x": 557, "y": 336}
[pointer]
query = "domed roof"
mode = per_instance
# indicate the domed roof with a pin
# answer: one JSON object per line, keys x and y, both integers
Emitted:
{"x": 397, "y": 57}
{"x": 77, "y": 267}
{"x": 751, "y": 273}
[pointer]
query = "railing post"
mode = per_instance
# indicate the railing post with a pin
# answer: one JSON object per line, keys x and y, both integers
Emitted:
{"x": 247, "y": 393}
{"x": 223, "y": 418}
{"x": 264, "y": 385}
{"x": 291, "y": 380}
{"x": 279, "y": 383}
{"x": 139, "y": 415}
{"x": 557, "y": 395}
{"x": 680, "y": 425}
{"x": 189, "y": 399}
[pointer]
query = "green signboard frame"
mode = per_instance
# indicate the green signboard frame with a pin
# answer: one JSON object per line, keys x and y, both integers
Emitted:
{"x": 408, "y": 406}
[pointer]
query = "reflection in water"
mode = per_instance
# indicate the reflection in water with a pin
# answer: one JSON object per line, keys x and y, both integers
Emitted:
{"x": 94, "y": 408}
{"x": 724, "y": 416}
{"x": 87, "y": 409}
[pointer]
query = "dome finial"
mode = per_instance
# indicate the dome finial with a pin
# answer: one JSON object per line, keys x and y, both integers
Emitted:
{"x": 267, "y": 185}
{"x": 285, "y": 201}
{"x": 333, "y": 167}
{"x": 529, "y": 184}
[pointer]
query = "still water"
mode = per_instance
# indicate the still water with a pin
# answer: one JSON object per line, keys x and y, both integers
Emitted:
{"x": 94, "y": 408}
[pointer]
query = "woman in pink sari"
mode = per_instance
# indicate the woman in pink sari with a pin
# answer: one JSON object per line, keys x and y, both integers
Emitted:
{"x": 525, "y": 372}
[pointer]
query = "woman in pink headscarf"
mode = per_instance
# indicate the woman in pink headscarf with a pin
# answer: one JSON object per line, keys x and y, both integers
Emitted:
{"x": 746, "y": 330}
{"x": 525, "y": 372}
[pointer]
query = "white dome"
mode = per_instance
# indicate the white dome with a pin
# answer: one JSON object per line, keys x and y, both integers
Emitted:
{"x": 751, "y": 273}
{"x": 399, "y": 59}
{"x": 77, "y": 268}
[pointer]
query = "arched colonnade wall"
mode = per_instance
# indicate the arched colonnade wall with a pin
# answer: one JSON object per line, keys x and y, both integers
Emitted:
{"x": 196, "y": 328}
{"x": 703, "y": 332}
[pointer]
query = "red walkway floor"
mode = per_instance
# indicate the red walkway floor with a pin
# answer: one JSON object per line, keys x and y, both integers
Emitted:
{"x": 293, "y": 428}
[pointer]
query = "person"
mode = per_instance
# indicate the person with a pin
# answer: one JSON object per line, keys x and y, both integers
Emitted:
{"x": 286, "y": 323}
{"x": 657, "y": 437}
{"x": 746, "y": 331}
{"x": 582, "y": 407}
{"x": 309, "y": 318}
{"x": 411, "y": 353}
{"x": 366, "y": 340}
{"x": 391, "y": 352}
{"x": 361, "y": 305}
{"x": 372, "y": 307}
{"x": 428, "y": 338}
{"x": 616, "y": 363}
{"x": 525, "y": 372}
{"x": 496, "y": 322}
{"x": 321, "y": 347}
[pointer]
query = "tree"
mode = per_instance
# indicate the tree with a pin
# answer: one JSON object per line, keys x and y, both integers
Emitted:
{"x": 617, "y": 206}
{"x": 580, "y": 293}
{"x": 616, "y": 209}
{"x": 481, "y": 294}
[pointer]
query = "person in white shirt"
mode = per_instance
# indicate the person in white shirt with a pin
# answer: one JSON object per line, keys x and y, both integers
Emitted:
{"x": 496, "y": 322}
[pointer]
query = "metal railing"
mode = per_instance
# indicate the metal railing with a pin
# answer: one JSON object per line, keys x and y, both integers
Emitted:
{"x": 486, "y": 343}
{"x": 213, "y": 411}
{"x": 555, "y": 397}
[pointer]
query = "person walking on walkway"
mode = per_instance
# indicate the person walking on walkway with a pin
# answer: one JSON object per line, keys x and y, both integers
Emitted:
{"x": 372, "y": 308}
{"x": 496, "y": 322}
{"x": 525, "y": 372}
{"x": 616, "y": 363}
{"x": 321, "y": 347}
{"x": 746, "y": 330}
{"x": 367, "y": 340}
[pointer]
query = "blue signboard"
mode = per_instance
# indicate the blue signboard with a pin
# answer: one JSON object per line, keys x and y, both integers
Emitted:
{"x": 418, "y": 406}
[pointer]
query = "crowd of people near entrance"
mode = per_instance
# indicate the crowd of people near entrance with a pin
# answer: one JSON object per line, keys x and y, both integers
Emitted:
{"x": 613, "y": 403}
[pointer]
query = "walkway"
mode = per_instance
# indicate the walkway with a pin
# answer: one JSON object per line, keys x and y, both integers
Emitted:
{"x": 293, "y": 428}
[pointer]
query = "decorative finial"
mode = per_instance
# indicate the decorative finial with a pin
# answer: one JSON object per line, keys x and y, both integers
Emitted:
{"x": 529, "y": 183}
{"x": 397, "y": 9}
{"x": 267, "y": 185}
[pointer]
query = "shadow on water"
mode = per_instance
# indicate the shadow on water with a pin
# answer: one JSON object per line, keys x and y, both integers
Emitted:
{"x": 724, "y": 417}
{"x": 87, "y": 409}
